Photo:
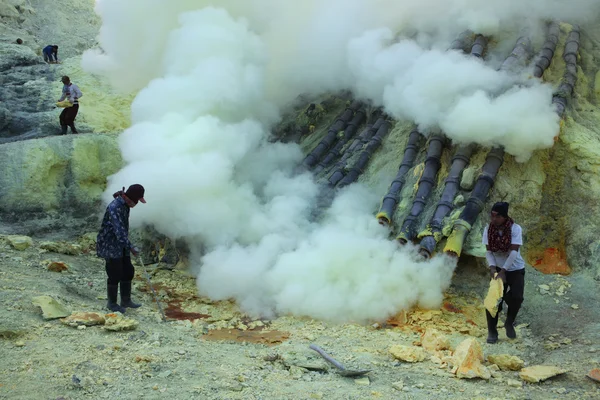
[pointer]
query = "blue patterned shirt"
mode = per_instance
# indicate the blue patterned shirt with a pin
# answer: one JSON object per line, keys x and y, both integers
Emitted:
{"x": 113, "y": 238}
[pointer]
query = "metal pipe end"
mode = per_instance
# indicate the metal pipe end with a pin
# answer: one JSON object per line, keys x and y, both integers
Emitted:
{"x": 402, "y": 237}
{"x": 451, "y": 254}
{"x": 455, "y": 241}
{"x": 423, "y": 252}
{"x": 383, "y": 219}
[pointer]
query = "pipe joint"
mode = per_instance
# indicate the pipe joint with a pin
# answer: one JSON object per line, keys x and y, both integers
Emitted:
{"x": 425, "y": 179}
{"x": 391, "y": 197}
{"x": 452, "y": 179}
{"x": 446, "y": 204}
{"x": 478, "y": 204}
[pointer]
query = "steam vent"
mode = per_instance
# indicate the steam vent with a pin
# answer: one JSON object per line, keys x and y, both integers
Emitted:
{"x": 318, "y": 182}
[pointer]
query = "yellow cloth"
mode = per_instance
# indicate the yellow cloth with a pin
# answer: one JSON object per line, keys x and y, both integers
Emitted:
{"x": 64, "y": 104}
{"x": 494, "y": 295}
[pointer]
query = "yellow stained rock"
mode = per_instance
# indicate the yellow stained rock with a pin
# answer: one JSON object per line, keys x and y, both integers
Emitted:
{"x": 116, "y": 322}
{"x": 594, "y": 375}
{"x": 57, "y": 266}
{"x": 468, "y": 359}
{"x": 538, "y": 373}
{"x": 51, "y": 309}
{"x": 514, "y": 383}
{"x": 493, "y": 296}
{"x": 83, "y": 319}
{"x": 62, "y": 247}
{"x": 506, "y": 362}
{"x": 434, "y": 340}
{"x": 494, "y": 369}
{"x": 408, "y": 353}
{"x": 19, "y": 242}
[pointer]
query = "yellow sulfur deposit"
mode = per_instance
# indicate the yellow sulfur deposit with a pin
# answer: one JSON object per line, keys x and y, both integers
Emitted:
{"x": 40, "y": 174}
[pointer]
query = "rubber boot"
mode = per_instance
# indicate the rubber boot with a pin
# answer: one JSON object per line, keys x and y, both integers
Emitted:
{"x": 111, "y": 292}
{"x": 509, "y": 324}
{"x": 63, "y": 129}
{"x": 73, "y": 130}
{"x": 492, "y": 325}
{"x": 126, "y": 295}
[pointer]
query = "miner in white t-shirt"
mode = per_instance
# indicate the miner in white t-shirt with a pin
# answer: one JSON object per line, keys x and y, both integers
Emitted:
{"x": 503, "y": 238}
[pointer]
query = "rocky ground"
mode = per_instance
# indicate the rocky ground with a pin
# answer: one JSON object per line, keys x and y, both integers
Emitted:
{"x": 210, "y": 350}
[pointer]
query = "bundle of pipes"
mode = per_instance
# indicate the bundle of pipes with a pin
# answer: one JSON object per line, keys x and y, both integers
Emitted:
{"x": 364, "y": 138}
{"x": 476, "y": 202}
{"x": 433, "y": 234}
{"x": 349, "y": 133}
{"x": 432, "y": 166}
{"x": 519, "y": 56}
{"x": 426, "y": 182}
{"x": 366, "y": 154}
{"x": 332, "y": 135}
{"x": 390, "y": 200}
{"x": 461, "y": 228}
{"x": 375, "y": 120}
{"x": 567, "y": 86}
{"x": 545, "y": 55}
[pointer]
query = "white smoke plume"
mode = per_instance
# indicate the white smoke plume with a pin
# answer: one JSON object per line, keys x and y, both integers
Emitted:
{"x": 454, "y": 92}
{"x": 343, "y": 269}
{"x": 211, "y": 82}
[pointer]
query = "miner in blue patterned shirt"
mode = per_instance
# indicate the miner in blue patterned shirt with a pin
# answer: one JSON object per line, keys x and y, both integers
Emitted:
{"x": 114, "y": 246}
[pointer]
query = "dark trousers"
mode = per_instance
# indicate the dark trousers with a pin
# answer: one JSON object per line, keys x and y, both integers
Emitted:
{"x": 50, "y": 57}
{"x": 119, "y": 269}
{"x": 513, "y": 289}
{"x": 67, "y": 118}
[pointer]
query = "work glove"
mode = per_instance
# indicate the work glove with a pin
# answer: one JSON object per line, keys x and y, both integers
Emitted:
{"x": 492, "y": 271}
{"x": 135, "y": 251}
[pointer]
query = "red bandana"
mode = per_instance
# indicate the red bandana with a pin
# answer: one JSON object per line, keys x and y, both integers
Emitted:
{"x": 499, "y": 243}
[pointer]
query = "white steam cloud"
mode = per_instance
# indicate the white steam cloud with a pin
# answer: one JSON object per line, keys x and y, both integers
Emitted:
{"x": 344, "y": 269}
{"x": 454, "y": 92}
{"x": 211, "y": 82}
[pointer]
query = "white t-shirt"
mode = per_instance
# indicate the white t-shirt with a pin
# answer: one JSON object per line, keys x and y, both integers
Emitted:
{"x": 501, "y": 256}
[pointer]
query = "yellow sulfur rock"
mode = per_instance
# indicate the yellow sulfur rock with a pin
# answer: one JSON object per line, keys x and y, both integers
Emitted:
{"x": 51, "y": 309}
{"x": 83, "y": 319}
{"x": 434, "y": 340}
{"x": 19, "y": 242}
{"x": 538, "y": 373}
{"x": 468, "y": 359}
{"x": 57, "y": 266}
{"x": 116, "y": 322}
{"x": 506, "y": 362}
{"x": 408, "y": 353}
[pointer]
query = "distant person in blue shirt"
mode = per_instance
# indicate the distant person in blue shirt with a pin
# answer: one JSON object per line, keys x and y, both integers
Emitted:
{"x": 50, "y": 53}
{"x": 114, "y": 246}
